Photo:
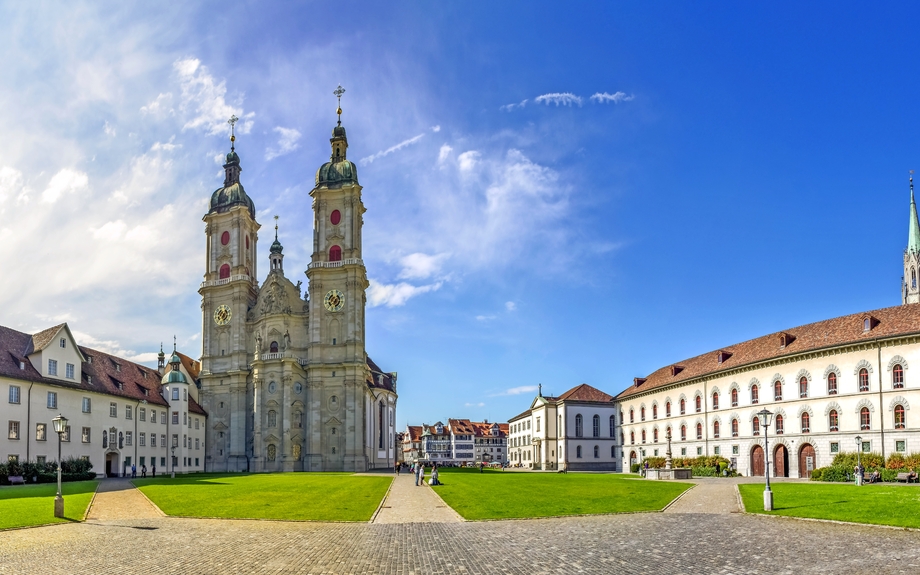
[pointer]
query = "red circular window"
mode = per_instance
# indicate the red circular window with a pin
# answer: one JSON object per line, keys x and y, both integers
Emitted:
{"x": 225, "y": 238}
{"x": 247, "y": 241}
{"x": 335, "y": 217}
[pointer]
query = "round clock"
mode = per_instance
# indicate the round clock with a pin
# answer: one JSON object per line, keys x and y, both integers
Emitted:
{"x": 222, "y": 315}
{"x": 334, "y": 300}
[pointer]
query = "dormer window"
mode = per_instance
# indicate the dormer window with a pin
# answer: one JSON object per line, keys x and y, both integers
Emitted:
{"x": 723, "y": 355}
{"x": 637, "y": 381}
{"x": 146, "y": 392}
{"x": 868, "y": 322}
{"x": 89, "y": 359}
{"x": 22, "y": 365}
{"x": 675, "y": 369}
{"x": 89, "y": 379}
{"x": 117, "y": 366}
{"x": 785, "y": 339}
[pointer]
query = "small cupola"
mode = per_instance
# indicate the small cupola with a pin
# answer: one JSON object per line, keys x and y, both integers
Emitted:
{"x": 175, "y": 374}
{"x": 275, "y": 256}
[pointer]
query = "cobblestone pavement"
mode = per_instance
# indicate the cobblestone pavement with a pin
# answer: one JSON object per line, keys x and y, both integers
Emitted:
{"x": 714, "y": 496}
{"x": 119, "y": 499}
{"x": 634, "y": 543}
{"x": 408, "y": 503}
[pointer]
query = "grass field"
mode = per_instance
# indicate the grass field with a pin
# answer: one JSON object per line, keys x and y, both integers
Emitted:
{"x": 506, "y": 494}
{"x": 877, "y": 504}
{"x": 30, "y": 505}
{"x": 289, "y": 496}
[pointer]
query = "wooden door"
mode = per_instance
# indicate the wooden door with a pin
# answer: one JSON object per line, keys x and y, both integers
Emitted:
{"x": 780, "y": 461}
{"x": 806, "y": 460}
{"x": 757, "y": 465}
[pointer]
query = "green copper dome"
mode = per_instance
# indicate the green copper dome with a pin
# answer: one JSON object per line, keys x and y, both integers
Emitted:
{"x": 232, "y": 194}
{"x": 175, "y": 376}
{"x": 276, "y": 247}
{"x": 341, "y": 172}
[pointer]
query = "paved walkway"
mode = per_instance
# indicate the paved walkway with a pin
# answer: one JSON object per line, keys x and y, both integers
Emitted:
{"x": 712, "y": 497}
{"x": 408, "y": 503}
{"x": 119, "y": 499}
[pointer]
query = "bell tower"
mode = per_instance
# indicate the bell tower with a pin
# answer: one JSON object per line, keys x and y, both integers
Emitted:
{"x": 228, "y": 291}
{"x": 337, "y": 284}
{"x": 910, "y": 292}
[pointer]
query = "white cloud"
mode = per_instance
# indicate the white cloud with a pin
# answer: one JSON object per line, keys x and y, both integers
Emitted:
{"x": 510, "y": 306}
{"x": 394, "y": 295}
{"x": 160, "y": 106}
{"x": 510, "y": 107}
{"x": 109, "y": 129}
{"x": 287, "y": 143}
{"x": 390, "y": 150}
{"x": 480, "y": 404}
{"x": 421, "y": 266}
{"x": 204, "y": 98}
{"x": 559, "y": 99}
{"x": 485, "y": 317}
{"x": 436, "y": 129}
{"x": 112, "y": 347}
{"x": 11, "y": 186}
{"x": 616, "y": 98}
{"x": 467, "y": 160}
{"x": 64, "y": 182}
{"x": 443, "y": 153}
{"x": 520, "y": 390}
{"x": 166, "y": 147}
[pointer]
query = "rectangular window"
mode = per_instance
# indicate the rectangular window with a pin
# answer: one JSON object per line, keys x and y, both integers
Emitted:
{"x": 66, "y": 435}
{"x": 538, "y": 424}
{"x": 63, "y": 342}
{"x": 900, "y": 446}
{"x": 143, "y": 460}
{"x": 735, "y": 450}
{"x": 14, "y": 430}
{"x": 113, "y": 409}
{"x": 175, "y": 393}
{"x": 185, "y": 420}
{"x": 866, "y": 446}
{"x": 153, "y": 416}
{"x": 184, "y": 395}
{"x": 162, "y": 462}
{"x": 13, "y": 459}
{"x": 52, "y": 400}
{"x": 142, "y": 439}
{"x": 197, "y": 421}
{"x": 41, "y": 459}
{"x": 52, "y": 367}
{"x": 196, "y": 462}
{"x": 142, "y": 413}
{"x": 196, "y": 445}
{"x": 128, "y": 412}
{"x": 68, "y": 370}
{"x": 175, "y": 438}
{"x": 835, "y": 447}
{"x": 86, "y": 435}
{"x": 699, "y": 451}
{"x": 153, "y": 440}
{"x": 716, "y": 450}
{"x": 683, "y": 451}
{"x": 129, "y": 437}
{"x": 163, "y": 439}
{"x": 41, "y": 431}
{"x": 14, "y": 394}
{"x": 175, "y": 418}
{"x": 87, "y": 405}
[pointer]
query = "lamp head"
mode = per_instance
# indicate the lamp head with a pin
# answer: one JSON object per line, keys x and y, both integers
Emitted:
{"x": 766, "y": 417}
{"x": 858, "y": 439}
{"x": 60, "y": 424}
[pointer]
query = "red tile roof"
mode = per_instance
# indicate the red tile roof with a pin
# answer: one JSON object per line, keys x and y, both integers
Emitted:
{"x": 585, "y": 392}
{"x": 415, "y": 432}
{"x": 885, "y": 323}
{"x": 461, "y": 426}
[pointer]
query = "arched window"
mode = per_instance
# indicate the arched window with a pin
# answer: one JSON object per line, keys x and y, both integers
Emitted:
{"x": 683, "y": 433}
{"x": 864, "y": 421}
{"x": 225, "y": 271}
{"x": 715, "y": 429}
{"x": 597, "y": 426}
{"x": 642, "y": 413}
{"x": 735, "y": 397}
{"x": 734, "y": 428}
{"x": 643, "y": 436}
{"x": 683, "y": 406}
{"x": 272, "y": 418}
{"x": 578, "y": 452}
{"x": 803, "y": 387}
{"x": 897, "y": 376}
{"x": 755, "y": 426}
{"x": 899, "y": 421}
{"x": 806, "y": 423}
{"x": 632, "y": 415}
{"x": 755, "y": 394}
{"x": 832, "y": 383}
{"x": 699, "y": 431}
{"x": 864, "y": 379}
{"x": 780, "y": 429}
{"x": 655, "y": 411}
{"x": 777, "y": 390}
{"x": 612, "y": 426}
{"x": 833, "y": 422}
{"x": 335, "y": 254}
{"x": 699, "y": 403}
{"x": 913, "y": 278}
{"x": 632, "y": 437}
{"x": 715, "y": 400}
{"x": 655, "y": 435}
{"x": 579, "y": 426}
{"x": 597, "y": 452}
{"x": 667, "y": 409}
{"x": 273, "y": 347}
{"x": 335, "y": 217}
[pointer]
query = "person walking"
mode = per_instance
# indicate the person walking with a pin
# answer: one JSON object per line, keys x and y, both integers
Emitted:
{"x": 143, "y": 470}
{"x": 417, "y": 467}
{"x": 421, "y": 474}
{"x": 397, "y": 469}
{"x": 154, "y": 469}
{"x": 133, "y": 471}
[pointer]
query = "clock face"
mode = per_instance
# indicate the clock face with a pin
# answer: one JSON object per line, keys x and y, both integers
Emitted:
{"x": 334, "y": 300}
{"x": 222, "y": 315}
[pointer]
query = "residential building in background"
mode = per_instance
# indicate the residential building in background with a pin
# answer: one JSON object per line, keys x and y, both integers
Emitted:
{"x": 459, "y": 442}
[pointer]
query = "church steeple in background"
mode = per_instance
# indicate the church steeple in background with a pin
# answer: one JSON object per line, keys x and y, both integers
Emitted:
{"x": 910, "y": 292}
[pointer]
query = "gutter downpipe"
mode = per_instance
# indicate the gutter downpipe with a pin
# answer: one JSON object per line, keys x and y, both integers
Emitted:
{"x": 881, "y": 407}
{"x": 29, "y": 422}
{"x": 706, "y": 416}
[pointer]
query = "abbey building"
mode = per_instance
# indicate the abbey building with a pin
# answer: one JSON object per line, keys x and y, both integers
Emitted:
{"x": 285, "y": 376}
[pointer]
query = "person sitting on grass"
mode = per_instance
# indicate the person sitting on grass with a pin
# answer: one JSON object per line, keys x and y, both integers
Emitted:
{"x": 434, "y": 476}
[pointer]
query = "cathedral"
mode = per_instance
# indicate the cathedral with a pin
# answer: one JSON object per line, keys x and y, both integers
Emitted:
{"x": 285, "y": 377}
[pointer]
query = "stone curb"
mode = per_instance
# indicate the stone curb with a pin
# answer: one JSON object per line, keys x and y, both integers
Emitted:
{"x": 678, "y": 498}
{"x": 383, "y": 501}
{"x": 154, "y": 505}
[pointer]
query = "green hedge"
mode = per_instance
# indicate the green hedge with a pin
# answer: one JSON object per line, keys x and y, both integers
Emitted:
{"x": 844, "y": 463}
{"x": 34, "y": 472}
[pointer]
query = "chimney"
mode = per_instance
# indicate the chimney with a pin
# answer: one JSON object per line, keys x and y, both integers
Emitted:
{"x": 540, "y": 390}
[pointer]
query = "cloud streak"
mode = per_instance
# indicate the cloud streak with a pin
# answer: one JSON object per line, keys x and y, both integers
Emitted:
{"x": 616, "y": 98}
{"x": 288, "y": 139}
{"x": 519, "y": 390}
{"x": 370, "y": 159}
{"x": 569, "y": 99}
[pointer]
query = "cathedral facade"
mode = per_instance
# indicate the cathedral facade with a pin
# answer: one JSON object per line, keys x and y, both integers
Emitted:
{"x": 285, "y": 376}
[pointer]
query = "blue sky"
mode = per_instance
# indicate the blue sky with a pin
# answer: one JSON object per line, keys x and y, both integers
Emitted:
{"x": 556, "y": 193}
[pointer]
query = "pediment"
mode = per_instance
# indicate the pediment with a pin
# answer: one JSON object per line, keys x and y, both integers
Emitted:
{"x": 333, "y": 421}
{"x": 271, "y": 438}
{"x": 219, "y": 426}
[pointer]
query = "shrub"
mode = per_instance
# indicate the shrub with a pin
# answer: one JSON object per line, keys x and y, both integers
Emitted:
{"x": 895, "y": 461}
{"x": 634, "y": 468}
{"x": 817, "y": 474}
{"x": 868, "y": 460}
{"x": 836, "y": 473}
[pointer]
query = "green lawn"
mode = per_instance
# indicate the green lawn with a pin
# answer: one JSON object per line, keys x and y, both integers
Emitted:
{"x": 30, "y": 505}
{"x": 289, "y": 496}
{"x": 878, "y": 504}
{"x": 507, "y": 494}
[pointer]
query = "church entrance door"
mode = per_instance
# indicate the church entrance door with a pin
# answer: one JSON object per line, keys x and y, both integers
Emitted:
{"x": 806, "y": 460}
{"x": 757, "y": 464}
{"x": 111, "y": 465}
{"x": 780, "y": 461}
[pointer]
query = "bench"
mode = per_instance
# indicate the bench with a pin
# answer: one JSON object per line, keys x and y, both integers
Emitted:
{"x": 906, "y": 477}
{"x": 17, "y": 480}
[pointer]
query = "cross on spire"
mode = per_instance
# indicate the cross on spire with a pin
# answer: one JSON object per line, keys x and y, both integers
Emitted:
{"x": 174, "y": 344}
{"x": 338, "y": 93}
{"x": 232, "y": 121}
{"x": 276, "y": 228}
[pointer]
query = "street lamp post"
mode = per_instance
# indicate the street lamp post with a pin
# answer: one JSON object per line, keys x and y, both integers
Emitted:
{"x": 60, "y": 426}
{"x": 766, "y": 417}
{"x": 173, "y": 476}
{"x": 859, "y": 478}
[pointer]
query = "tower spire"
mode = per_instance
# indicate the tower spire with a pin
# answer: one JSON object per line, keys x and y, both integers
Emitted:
{"x": 338, "y": 93}
{"x": 913, "y": 238}
{"x": 232, "y": 121}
